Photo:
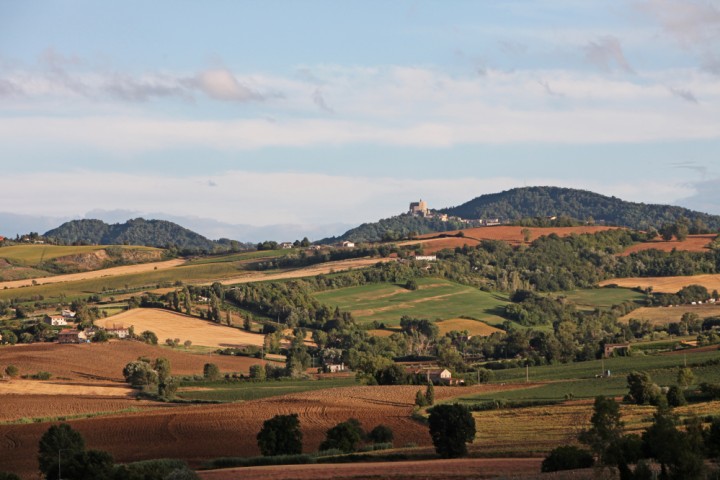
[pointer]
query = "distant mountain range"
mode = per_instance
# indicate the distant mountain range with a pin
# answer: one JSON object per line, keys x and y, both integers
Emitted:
{"x": 530, "y": 202}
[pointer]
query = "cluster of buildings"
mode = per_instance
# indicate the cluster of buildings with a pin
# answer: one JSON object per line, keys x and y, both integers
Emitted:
{"x": 73, "y": 335}
{"x": 421, "y": 209}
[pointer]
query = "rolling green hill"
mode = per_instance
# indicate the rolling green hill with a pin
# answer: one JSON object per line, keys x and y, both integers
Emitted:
{"x": 527, "y": 202}
{"x": 155, "y": 233}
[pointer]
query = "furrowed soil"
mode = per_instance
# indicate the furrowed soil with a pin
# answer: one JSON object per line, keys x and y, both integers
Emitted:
{"x": 514, "y": 235}
{"x": 168, "y": 324}
{"x": 200, "y": 432}
{"x": 666, "y": 284}
{"x": 473, "y": 327}
{"x": 414, "y": 470}
{"x": 105, "y": 361}
{"x": 693, "y": 243}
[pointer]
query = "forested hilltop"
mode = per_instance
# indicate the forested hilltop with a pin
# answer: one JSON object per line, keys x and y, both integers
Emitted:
{"x": 155, "y": 233}
{"x": 395, "y": 228}
{"x": 520, "y": 203}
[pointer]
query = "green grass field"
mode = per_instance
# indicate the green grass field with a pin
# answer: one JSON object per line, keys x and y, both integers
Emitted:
{"x": 244, "y": 256}
{"x": 35, "y": 254}
{"x": 579, "y": 379}
{"x": 592, "y": 298}
{"x": 435, "y": 299}
{"x": 234, "y": 392}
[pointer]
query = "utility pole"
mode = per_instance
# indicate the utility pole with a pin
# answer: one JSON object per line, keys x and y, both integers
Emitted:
{"x": 527, "y": 372}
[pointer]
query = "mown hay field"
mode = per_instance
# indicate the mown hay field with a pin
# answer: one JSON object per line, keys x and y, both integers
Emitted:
{"x": 105, "y": 361}
{"x": 169, "y": 324}
{"x": 592, "y": 298}
{"x": 62, "y": 388}
{"x": 34, "y": 254}
{"x": 230, "y": 429}
{"x": 473, "y": 327}
{"x": 665, "y": 315}
{"x": 435, "y": 299}
{"x": 666, "y": 284}
{"x": 693, "y": 243}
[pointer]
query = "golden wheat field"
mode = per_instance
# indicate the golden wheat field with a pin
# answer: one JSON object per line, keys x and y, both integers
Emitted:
{"x": 473, "y": 327}
{"x": 665, "y": 315}
{"x": 666, "y": 284}
{"x": 168, "y": 324}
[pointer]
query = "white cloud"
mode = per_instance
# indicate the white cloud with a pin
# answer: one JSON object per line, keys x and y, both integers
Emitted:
{"x": 221, "y": 84}
{"x": 607, "y": 54}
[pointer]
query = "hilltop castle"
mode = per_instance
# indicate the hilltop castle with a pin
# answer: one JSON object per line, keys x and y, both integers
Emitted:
{"x": 420, "y": 209}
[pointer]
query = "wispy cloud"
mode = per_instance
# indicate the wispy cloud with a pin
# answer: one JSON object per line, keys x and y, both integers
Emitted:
{"x": 607, "y": 54}
{"x": 694, "y": 166}
{"x": 319, "y": 100}
{"x": 684, "y": 94}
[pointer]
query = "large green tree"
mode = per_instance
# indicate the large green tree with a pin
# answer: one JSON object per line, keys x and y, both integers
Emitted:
{"x": 280, "y": 435}
{"x": 451, "y": 428}
{"x": 57, "y": 447}
{"x": 604, "y": 435}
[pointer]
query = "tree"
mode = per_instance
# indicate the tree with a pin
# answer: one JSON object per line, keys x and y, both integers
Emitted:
{"x": 420, "y": 400}
{"x": 12, "y": 371}
{"x": 672, "y": 448}
{"x": 430, "y": 394}
{"x": 642, "y": 389}
{"x": 344, "y": 436}
{"x": 604, "y": 436}
{"x": 8, "y": 337}
{"x": 8, "y": 476}
{"x": 187, "y": 343}
{"x": 149, "y": 337}
{"x": 140, "y": 373}
{"x": 527, "y": 234}
{"x": 451, "y": 427}
{"x": 257, "y": 372}
{"x": 567, "y": 457}
{"x": 675, "y": 397}
{"x": 57, "y": 446}
{"x": 211, "y": 371}
{"x": 393, "y": 374}
{"x": 247, "y": 322}
{"x": 381, "y": 434}
{"x": 280, "y": 435}
{"x": 89, "y": 465}
{"x": 685, "y": 377}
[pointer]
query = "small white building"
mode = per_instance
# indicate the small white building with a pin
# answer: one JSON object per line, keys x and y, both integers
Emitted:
{"x": 334, "y": 367}
{"x": 68, "y": 314}
{"x": 55, "y": 320}
{"x": 426, "y": 258}
{"x": 286, "y": 245}
{"x": 347, "y": 244}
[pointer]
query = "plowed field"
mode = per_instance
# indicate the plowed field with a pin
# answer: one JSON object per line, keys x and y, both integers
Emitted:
{"x": 167, "y": 324}
{"x": 693, "y": 243}
{"x": 511, "y": 234}
{"x": 104, "y": 361}
{"x": 666, "y": 284}
{"x": 457, "y": 468}
{"x": 196, "y": 433}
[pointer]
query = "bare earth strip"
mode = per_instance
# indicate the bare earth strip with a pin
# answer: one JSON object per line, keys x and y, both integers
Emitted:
{"x": 321, "y": 269}
{"x": 457, "y": 468}
{"x": 108, "y": 272}
{"x": 50, "y": 387}
{"x": 666, "y": 284}
{"x": 167, "y": 324}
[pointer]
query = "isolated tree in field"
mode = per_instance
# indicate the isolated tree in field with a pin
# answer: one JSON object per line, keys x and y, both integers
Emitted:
{"x": 149, "y": 337}
{"x": 11, "y": 371}
{"x": 280, "y": 435}
{"x": 420, "y": 399}
{"x": 344, "y": 436}
{"x": 430, "y": 394}
{"x": 257, "y": 372}
{"x": 527, "y": 234}
{"x": 211, "y": 371}
{"x": 675, "y": 397}
{"x": 59, "y": 442}
{"x": 451, "y": 427}
{"x": 604, "y": 435}
{"x": 140, "y": 373}
{"x": 247, "y": 322}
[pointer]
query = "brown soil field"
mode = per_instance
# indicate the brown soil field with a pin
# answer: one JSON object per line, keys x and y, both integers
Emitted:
{"x": 105, "y": 361}
{"x": 168, "y": 324}
{"x": 474, "y": 327}
{"x": 456, "y": 468}
{"x": 666, "y": 284}
{"x": 321, "y": 269}
{"x": 108, "y": 272}
{"x": 510, "y": 234}
{"x": 693, "y": 243}
{"x": 200, "y": 432}
{"x": 29, "y": 406}
{"x": 665, "y": 315}
{"x": 56, "y": 387}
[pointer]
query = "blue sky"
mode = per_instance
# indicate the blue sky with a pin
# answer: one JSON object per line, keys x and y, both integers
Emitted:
{"x": 306, "y": 117}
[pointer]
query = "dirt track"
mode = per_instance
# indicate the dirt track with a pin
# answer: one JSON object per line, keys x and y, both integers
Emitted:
{"x": 108, "y": 272}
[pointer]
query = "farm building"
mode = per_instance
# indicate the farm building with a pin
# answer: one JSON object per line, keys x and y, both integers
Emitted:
{"x": 68, "y": 314}
{"x": 334, "y": 367}
{"x": 286, "y": 245}
{"x": 611, "y": 349}
{"x": 118, "y": 331}
{"x": 69, "y": 335}
{"x": 436, "y": 375}
{"x": 426, "y": 258}
{"x": 347, "y": 244}
{"x": 55, "y": 320}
